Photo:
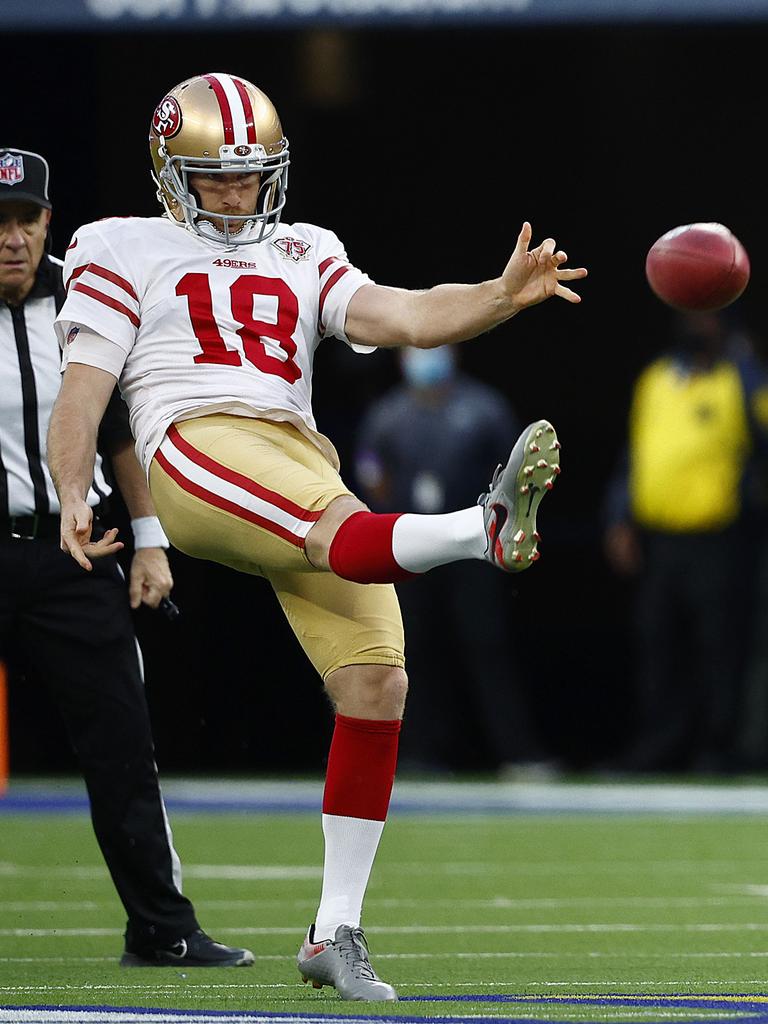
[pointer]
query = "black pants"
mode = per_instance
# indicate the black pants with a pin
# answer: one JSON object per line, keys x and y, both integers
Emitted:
{"x": 689, "y": 629}
{"x": 72, "y": 632}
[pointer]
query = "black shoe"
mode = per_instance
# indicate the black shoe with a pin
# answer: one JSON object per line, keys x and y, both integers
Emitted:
{"x": 196, "y": 950}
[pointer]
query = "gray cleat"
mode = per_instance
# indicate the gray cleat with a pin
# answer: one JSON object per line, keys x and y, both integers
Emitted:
{"x": 509, "y": 507}
{"x": 343, "y": 963}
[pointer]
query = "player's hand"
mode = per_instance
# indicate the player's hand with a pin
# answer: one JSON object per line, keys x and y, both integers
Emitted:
{"x": 76, "y": 527}
{"x": 533, "y": 275}
{"x": 151, "y": 578}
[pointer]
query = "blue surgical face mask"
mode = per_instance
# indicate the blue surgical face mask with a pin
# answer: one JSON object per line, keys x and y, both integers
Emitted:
{"x": 427, "y": 367}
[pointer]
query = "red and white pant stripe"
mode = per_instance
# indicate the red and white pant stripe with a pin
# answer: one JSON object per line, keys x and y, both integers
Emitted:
{"x": 231, "y": 491}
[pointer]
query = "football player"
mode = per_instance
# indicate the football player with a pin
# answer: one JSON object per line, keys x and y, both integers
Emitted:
{"x": 209, "y": 317}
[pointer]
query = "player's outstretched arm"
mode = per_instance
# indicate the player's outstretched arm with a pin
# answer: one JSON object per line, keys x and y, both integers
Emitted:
{"x": 72, "y": 434}
{"x": 392, "y": 317}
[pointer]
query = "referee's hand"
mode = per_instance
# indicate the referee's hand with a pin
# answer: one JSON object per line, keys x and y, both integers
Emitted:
{"x": 150, "y": 578}
{"x": 76, "y": 526}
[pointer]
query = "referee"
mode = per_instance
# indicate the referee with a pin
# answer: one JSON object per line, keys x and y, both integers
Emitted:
{"x": 71, "y": 630}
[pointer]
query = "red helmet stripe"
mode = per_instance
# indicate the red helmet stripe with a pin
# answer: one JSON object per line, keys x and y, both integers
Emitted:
{"x": 247, "y": 109}
{"x": 226, "y": 112}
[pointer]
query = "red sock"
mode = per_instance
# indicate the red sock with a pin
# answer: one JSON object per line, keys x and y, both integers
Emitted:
{"x": 361, "y": 768}
{"x": 361, "y": 551}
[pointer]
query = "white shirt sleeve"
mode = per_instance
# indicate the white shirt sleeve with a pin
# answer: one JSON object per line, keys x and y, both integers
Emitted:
{"x": 84, "y": 346}
{"x": 339, "y": 280}
{"x": 100, "y": 293}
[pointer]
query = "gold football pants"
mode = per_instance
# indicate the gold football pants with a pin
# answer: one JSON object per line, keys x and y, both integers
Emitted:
{"x": 245, "y": 493}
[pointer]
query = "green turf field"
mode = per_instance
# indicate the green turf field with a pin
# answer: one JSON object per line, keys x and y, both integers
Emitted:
{"x": 538, "y": 906}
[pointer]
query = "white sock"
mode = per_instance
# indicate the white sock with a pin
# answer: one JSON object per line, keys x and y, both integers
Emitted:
{"x": 350, "y": 848}
{"x": 420, "y": 542}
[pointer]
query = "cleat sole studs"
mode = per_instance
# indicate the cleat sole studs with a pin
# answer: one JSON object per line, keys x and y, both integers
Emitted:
{"x": 528, "y": 470}
{"x": 524, "y": 489}
{"x": 537, "y": 536}
{"x": 556, "y": 470}
{"x": 549, "y": 484}
{"x": 534, "y": 556}
{"x": 519, "y": 537}
{"x": 533, "y": 447}
{"x": 542, "y": 464}
{"x": 555, "y": 446}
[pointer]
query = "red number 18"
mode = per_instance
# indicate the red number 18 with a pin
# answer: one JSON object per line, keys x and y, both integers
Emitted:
{"x": 197, "y": 289}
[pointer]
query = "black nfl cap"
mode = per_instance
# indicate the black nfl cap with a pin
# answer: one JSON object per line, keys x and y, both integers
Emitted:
{"x": 23, "y": 177}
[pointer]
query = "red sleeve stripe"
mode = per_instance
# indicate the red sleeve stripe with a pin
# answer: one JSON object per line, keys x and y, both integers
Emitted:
{"x": 226, "y": 112}
{"x": 76, "y": 273}
{"x": 326, "y": 263}
{"x": 220, "y": 502}
{"x": 239, "y": 479}
{"x": 107, "y": 275}
{"x": 107, "y": 300}
{"x": 247, "y": 109}
{"x": 332, "y": 280}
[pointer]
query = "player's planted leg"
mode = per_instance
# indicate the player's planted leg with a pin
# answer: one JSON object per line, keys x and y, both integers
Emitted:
{"x": 343, "y": 963}
{"x": 369, "y": 701}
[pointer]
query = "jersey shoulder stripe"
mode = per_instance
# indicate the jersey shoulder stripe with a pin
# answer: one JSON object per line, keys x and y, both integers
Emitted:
{"x": 107, "y": 300}
{"x": 108, "y": 275}
{"x": 332, "y": 280}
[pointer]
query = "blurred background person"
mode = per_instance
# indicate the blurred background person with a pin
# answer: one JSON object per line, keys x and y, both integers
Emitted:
{"x": 430, "y": 444}
{"x": 682, "y": 514}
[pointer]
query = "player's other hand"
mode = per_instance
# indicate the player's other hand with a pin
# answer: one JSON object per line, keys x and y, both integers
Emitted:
{"x": 151, "y": 578}
{"x": 533, "y": 275}
{"x": 76, "y": 529}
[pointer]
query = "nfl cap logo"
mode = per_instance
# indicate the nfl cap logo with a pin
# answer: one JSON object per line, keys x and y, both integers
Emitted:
{"x": 23, "y": 177}
{"x": 11, "y": 168}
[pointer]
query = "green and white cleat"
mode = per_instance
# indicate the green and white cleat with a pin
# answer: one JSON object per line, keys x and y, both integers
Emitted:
{"x": 343, "y": 963}
{"x": 509, "y": 507}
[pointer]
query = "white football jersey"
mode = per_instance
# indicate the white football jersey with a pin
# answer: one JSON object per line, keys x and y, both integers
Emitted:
{"x": 189, "y": 327}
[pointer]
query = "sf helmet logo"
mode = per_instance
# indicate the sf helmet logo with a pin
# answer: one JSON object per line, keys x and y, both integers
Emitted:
{"x": 167, "y": 118}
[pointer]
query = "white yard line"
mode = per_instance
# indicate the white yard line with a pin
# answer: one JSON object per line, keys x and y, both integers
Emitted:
{"x": 311, "y": 872}
{"x": 494, "y": 903}
{"x": 423, "y": 929}
{"x": 442, "y": 955}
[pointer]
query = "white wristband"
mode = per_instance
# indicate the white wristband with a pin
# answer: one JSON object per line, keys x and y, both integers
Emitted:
{"x": 148, "y": 533}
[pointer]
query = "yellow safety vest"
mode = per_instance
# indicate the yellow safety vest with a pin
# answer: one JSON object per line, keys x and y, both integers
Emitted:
{"x": 689, "y": 441}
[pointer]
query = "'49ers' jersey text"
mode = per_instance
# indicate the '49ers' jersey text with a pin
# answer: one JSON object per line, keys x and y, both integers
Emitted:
{"x": 190, "y": 328}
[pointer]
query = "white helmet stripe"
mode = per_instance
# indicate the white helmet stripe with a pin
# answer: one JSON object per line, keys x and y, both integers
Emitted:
{"x": 236, "y": 108}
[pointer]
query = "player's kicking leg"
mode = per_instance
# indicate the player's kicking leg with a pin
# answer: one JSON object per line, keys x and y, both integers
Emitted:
{"x": 510, "y": 506}
{"x": 366, "y": 547}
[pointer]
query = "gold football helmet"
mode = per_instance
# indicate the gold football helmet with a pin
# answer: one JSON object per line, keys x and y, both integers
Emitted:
{"x": 218, "y": 124}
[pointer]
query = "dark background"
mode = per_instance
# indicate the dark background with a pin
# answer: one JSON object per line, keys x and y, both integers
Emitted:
{"x": 424, "y": 151}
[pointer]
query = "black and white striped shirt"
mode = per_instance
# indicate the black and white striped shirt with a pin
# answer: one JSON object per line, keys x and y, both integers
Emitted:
{"x": 30, "y": 378}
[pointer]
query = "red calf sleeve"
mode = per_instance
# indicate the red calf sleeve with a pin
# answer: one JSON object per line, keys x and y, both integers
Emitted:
{"x": 361, "y": 768}
{"x": 361, "y": 551}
